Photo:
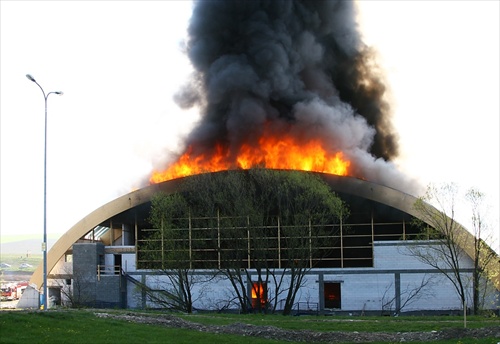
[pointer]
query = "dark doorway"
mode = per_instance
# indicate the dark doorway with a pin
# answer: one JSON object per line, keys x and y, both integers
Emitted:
{"x": 118, "y": 264}
{"x": 332, "y": 295}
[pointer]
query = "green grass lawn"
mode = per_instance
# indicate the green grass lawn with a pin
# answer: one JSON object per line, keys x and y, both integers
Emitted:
{"x": 82, "y": 326}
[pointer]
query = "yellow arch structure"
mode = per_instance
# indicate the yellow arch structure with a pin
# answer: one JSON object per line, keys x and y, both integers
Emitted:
{"x": 98, "y": 216}
{"x": 348, "y": 185}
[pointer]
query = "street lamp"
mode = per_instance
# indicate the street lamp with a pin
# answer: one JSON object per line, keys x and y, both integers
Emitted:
{"x": 44, "y": 244}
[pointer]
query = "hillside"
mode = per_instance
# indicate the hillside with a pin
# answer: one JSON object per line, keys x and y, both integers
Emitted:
{"x": 23, "y": 246}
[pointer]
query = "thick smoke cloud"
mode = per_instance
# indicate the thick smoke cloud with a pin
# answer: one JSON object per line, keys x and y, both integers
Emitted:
{"x": 300, "y": 65}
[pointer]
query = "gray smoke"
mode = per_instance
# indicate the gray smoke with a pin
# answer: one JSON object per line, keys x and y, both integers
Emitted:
{"x": 299, "y": 65}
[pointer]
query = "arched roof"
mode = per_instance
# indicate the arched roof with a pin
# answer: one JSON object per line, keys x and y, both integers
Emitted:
{"x": 346, "y": 185}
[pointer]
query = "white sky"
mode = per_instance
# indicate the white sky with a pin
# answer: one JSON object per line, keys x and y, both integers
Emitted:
{"x": 119, "y": 63}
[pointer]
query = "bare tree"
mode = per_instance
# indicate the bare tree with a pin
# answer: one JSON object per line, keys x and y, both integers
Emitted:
{"x": 172, "y": 293}
{"x": 409, "y": 295}
{"x": 77, "y": 291}
{"x": 483, "y": 255}
{"x": 445, "y": 254}
{"x": 452, "y": 245}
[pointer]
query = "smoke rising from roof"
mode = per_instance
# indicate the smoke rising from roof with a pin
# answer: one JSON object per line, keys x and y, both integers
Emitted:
{"x": 299, "y": 66}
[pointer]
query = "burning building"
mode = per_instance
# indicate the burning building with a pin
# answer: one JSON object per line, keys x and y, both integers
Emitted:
{"x": 283, "y": 85}
{"x": 287, "y": 85}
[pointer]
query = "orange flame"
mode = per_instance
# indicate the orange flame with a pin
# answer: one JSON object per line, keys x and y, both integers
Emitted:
{"x": 259, "y": 294}
{"x": 274, "y": 152}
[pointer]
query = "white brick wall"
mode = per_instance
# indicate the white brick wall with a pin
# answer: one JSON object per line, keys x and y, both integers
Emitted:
{"x": 398, "y": 255}
{"x": 361, "y": 289}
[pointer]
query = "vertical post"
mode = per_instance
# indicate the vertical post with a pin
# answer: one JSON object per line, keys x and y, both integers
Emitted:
{"x": 465, "y": 314}
{"x": 373, "y": 240}
{"x": 190, "y": 241}
{"x": 44, "y": 243}
{"x": 321, "y": 288}
{"x": 218, "y": 239}
{"x": 162, "y": 244}
{"x": 136, "y": 239}
{"x": 279, "y": 243}
{"x": 397, "y": 291}
{"x": 341, "y": 244}
{"x": 310, "y": 244}
{"x": 111, "y": 234}
{"x": 249, "y": 247}
{"x": 143, "y": 292}
{"x": 404, "y": 229}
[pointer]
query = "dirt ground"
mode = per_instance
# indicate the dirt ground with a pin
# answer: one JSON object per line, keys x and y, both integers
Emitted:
{"x": 271, "y": 332}
{"x": 8, "y": 304}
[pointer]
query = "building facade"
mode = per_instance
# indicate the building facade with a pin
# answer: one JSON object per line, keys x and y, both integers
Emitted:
{"x": 369, "y": 263}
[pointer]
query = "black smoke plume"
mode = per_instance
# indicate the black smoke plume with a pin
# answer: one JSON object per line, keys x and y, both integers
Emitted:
{"x": 300, "y": 65}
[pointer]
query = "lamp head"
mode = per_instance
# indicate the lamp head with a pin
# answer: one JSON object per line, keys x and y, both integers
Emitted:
{"x": 59, "y": 93}
{"x": 30, "y": 77}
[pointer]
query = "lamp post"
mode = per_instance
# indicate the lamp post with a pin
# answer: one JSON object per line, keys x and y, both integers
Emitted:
{"x": 44, "y": 243}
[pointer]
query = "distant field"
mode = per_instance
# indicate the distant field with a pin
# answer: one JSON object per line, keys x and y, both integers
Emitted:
{"x": 16, "y": 262}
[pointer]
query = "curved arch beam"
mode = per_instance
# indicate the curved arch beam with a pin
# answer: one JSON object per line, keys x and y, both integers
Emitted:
{"x": 97, "y": 217}
{"x": 348, "y": 185}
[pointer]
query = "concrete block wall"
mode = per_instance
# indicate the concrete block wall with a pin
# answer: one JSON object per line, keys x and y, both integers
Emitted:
{"x": 62, "y": 268}
{"x": 134, "y": 295}
{"x": 108, "y": 289}
{"x": 128, "y": 262}
{"x": 366, "y": 291}
{"x": 362, "y": 291}
{"x": 86, "y": 257}
{"x": 398, "y": 255}
{"x": 439, "y": 294}
{"x": 395, "y": 273}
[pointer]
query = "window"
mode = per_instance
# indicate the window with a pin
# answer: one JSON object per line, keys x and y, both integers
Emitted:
{"x": 259, "y": 295}
{"x": 332, "y": 295}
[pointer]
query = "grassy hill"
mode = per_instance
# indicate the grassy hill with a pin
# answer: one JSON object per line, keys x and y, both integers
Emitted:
{"x": 23, "y": 245}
